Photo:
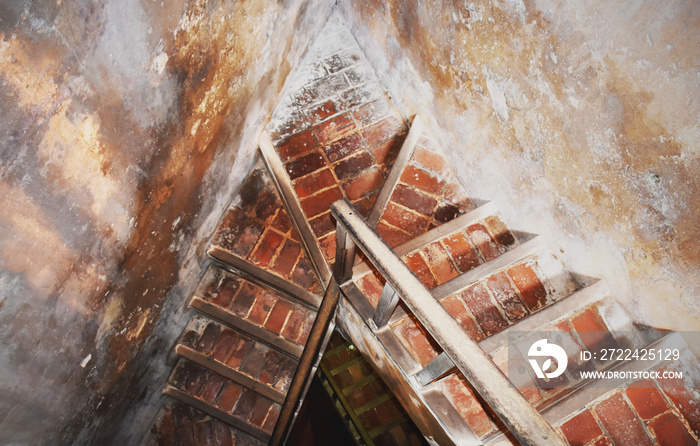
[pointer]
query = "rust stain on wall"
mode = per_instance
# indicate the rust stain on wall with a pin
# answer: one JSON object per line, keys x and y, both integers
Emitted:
{"x": 567, "y": 115}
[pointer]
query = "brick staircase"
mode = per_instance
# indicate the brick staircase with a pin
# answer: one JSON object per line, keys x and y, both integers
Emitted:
{"x": 257, "y": 337}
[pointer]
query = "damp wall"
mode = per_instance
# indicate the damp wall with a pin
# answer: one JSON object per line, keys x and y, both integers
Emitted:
{"x": 125, "y": 129}
{"x": 580, "y": 120}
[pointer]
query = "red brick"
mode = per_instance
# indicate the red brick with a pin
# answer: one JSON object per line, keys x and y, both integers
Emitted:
{"x": 259, "y": 412}
{"x": 266, "y": 205}
{"x": 229, "y": 396}
{"x": 271, "y": 419}
{"x": 385, "y": 153}
{"x": 369, "y": 181}
{"x": 422, "y": 347}
{"x": 185, "y": 435}
{"x": 212, "y": 388}
{"x": 306, "y": 329}
{"x": 267, "y": 248}
{"x": 305, "y": 165}
{"x": 603, "y": 441}
{"x": 352, "y": 166}
{"x": 413, "y": 199}
{"x": 368, "y": 113}
{"x": 485, "y": 312}
{"x": 670, "y": 431}
{"x": 222, "y": 435}
{"x": 422, "y": 180}
{"x": 383, "y": 130}
{"x": 244, "y": 299}
{"x": 480, "y": 237}
{"x": 461, "y": 251}
{"x": 313, "y": 183}
{"x": 248, "y": 239}
{"x": 304, "y": 276}
{"x": 223, "y": 347}
{"x": 364, "y": 206}
{"x": 344, "y": 147}
{"x": 238, "y": 352}
{"x": 321, "y": 202}
{"x": 686, "y": 401}
{"x": 335, "y": 128}
{"x": 447, "y": 212}
{"x": 501, "y": 233}
{"x": 646, "y": 399}
{"x": 260, "y": 310}
{"x": 592, "y": 330}
{"x": 225, "y": 293}
{"x": 322, "y": 111}
{"x": 529, "y": 286}
{"x": 328, "y": 245}
{"x": 581, "y": 429}
{"x": 287, "y": 258}
{"x": 440, "y": 262}
{"x": 209, "y": 338}
{"x": 204, "y": 432}
{"x": 406, "y": 220}
{"x": 255, "y": 360}
{"x": 621, "y": 422}
{"x": 274, "y": 363}
{"x": 391, "y": 235}
{"x": 323, "y": 224}
{"x": 456, "y": 308}
{"x": 371, "y": 286}
{"x": 430, "y": 161}
{"x": 281, "y": 222}
{"x": 278, "y": 316}
{"x": 294, "y": 323}
{"x": 463, "y": 399}
{"x": 245, "y": 404}
{"x": 506, "y": 296}
{"x": 418, "y": 265}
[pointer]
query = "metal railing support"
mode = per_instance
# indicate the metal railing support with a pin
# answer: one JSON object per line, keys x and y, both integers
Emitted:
{"x": 519, "y": 416}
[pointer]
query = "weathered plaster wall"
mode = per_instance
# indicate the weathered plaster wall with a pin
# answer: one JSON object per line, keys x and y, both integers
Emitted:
{"x": 126, "y": 127}
{"x": 581, "y": 120}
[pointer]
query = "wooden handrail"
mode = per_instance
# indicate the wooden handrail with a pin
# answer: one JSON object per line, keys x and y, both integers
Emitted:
{"x": 519, "y": 416}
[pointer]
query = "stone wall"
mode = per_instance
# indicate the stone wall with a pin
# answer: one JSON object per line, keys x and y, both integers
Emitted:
{"x": 126, "y": 128}
{"x": 580, "y": 120}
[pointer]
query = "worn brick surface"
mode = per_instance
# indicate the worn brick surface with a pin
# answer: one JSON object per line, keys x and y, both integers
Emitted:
{"x": 581, "y": 429}
{"x": 461, "y": 251}
{"x": 254, "y": 304}
{"x": 479, "y": 302}
{"x": 416, "y": 339}
{"x": 529, "y": 286}
{"x": 440, "y": 262}
{"x": 646, "y": 399}
{"x": 506, "y": 295}
{"x": 621, "y": 422}
{"x": 592, "y": 330}
{"x": 455, "y": 306}
{"x": 416, "y": 263}
{"x": 670, "y": 430}
{"x": 258, "y": 230}
{"x": 463, "y": 399}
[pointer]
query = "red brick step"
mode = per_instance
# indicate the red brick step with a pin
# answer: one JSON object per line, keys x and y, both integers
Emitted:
{"x": 224, "y": 399}
{"x": 238, "y": 357}
{"x": 259, "y": 312}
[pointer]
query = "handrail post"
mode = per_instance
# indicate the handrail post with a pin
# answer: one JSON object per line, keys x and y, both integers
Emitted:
{"x": 386, "y": 306}
{"x": 519, "y": 416}
{"x": 344, "y": 255}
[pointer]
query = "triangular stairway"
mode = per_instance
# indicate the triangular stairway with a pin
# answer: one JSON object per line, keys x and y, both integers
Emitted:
{"x": 344, "y": 181}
